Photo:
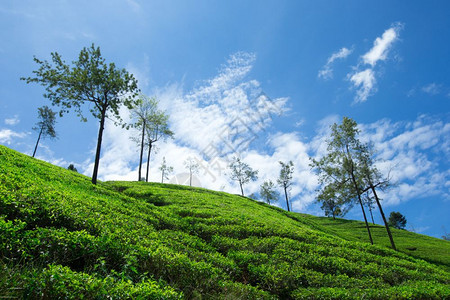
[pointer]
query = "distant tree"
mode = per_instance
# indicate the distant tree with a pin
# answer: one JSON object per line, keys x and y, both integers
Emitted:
{"x": 157, "y": 128}
{"x": 446, "y": 237}
{"x": 71, "y": 167}
{"x": 397, "y": 220}
{"x": 268, "y": 193}
{"x": 285, "y": 179}
{"x": 332, "y": 202}
{"x": 241, "y": 172}
{"x": 46, "y": 125}
{"x": 165, "y": 170}
{"x": 192, "y": 166}
{"x": 153, "y": 125}
{"x": 88, "y": 79}
{"x": 369, "y": 202}
{"x": 340, "y": 167}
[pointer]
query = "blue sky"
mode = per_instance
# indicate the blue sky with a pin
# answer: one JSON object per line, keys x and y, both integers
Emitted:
{"x": 262, "y": 79}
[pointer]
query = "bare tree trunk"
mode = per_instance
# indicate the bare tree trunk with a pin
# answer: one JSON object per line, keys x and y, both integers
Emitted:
{"x": 37, "y": 143}
{"x": 384, "y": 218}
{"x": 142, "y": 150}
{"x": 371, "y": 215}
{"x": 287, "y": 199}
{"x": 242, "y": 190}
{"x": 162, "y": 176}
{"x": 148, "y": 161}
{"x": 99, "y": 145}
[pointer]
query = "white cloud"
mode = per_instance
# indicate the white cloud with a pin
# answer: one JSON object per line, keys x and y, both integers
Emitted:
{"x": 12, "y": 121}
{"x": 364, "y": 82}
{"x": 7, "y": 135}
{"x": 327, "y": 72}
{"x": 382, "y": 45}
{"x": 432, "y": 89}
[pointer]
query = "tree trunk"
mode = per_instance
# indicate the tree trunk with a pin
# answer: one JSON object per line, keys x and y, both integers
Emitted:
{"x": 384, "y": 218}
{"x": 148, "y": 161}
{"x": 99, "y": 144}
{"x": 162, "y": 176}
{"x": 355, "y": 184}
{"x": 287, "y": 200}
{"x": 37, "y": 143}
{"x": 190, "y": 175}
{"x": 242, "y": 190}
{"x": 371, "y": 214}
{"x": 142, "y": 150}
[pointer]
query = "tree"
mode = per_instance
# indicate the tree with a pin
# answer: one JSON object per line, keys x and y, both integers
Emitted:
{"x": 340, "y": 168}
{"x": 153, "y": 125}
{"x": 157, "y": 128}
{"x": 89, "y": 79}
{"x": 397, "y": 220}
{"x": 268, "y": 193}
{"x": 241, "y": 172}
{"x": 165, "y": 170}
{"x": 373, "y": 180}
{"x": 71, "y": 167}
{"x": 334, "y": 204}
{"x": 369, "y": 202}
{"x": 285, "y": 179}
{"x": 192, "y": 166}
{"x": 46, "y": 125}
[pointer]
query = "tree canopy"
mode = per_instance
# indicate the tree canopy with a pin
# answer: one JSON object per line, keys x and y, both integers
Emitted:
{"x": 88, "y": 79}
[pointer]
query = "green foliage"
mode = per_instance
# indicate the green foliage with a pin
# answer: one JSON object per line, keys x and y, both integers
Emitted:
{"x": 397, "y": 220}
{"x": 241, "y": 172}
{"x": 268, "y": 193}
{"x": 62, "y": 237}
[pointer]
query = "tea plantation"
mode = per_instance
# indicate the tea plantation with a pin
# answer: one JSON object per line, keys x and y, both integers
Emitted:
{"x": 63, "y": 238}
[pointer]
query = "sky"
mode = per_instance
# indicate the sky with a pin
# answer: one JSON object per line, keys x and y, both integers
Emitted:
{"x": 262, "y": 80}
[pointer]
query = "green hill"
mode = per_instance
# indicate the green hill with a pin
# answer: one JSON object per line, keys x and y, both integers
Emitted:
{"x": 62, "y": 237}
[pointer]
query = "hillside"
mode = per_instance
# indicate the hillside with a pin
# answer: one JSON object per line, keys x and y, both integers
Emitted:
{"x": 62, "y": 237}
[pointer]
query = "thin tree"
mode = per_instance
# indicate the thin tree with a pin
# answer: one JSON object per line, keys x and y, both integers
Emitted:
{"x": 373, "y": 180}
{"x": 242, "y": 172}
{"x": 268, "y": 192}
{"x": 89, "y": 79}
{"x": 46, "y": 125}
{"x": 341, "y": 167}
{"x": 369, "y": 202}
{"x": 285, "y": 179}
{"x": 143, "y": 114}
{"x": 192, "y": 166}
{"x": 157, "y": 128}
{"x": 165, "y": 170}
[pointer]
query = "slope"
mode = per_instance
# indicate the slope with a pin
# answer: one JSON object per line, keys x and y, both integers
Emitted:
{"x": 62, "y": 237}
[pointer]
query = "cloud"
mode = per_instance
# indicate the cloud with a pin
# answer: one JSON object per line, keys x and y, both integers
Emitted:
{"x": 382, "y": 45}
{"x": 364, "y": 82}
{"x": 12, "y": 121}
{"x": 327, "y": 72}
{"x": 7, "y": 135}
{"x": 432, "y": 89}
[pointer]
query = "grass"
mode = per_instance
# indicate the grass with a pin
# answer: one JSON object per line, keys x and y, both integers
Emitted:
{"x": 62, "y": 237}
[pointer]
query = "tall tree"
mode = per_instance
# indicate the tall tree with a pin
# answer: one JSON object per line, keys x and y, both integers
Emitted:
{"x": 46, "y": 125}
{"x": 192, "y": 167}
{"x": 268, "y": 192}
{"x": 143, "y": 114}
{"x": 285, "y": 179}
{"x": 373, "y": 180}
{"x": 157, "y": 128}
{"x": 369, "y": 202}
{"x": 340, "y": 167}
{"x": 241, "y": 172}
{"x": 88, "y": 79}
{"x": 165, "y": 170}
